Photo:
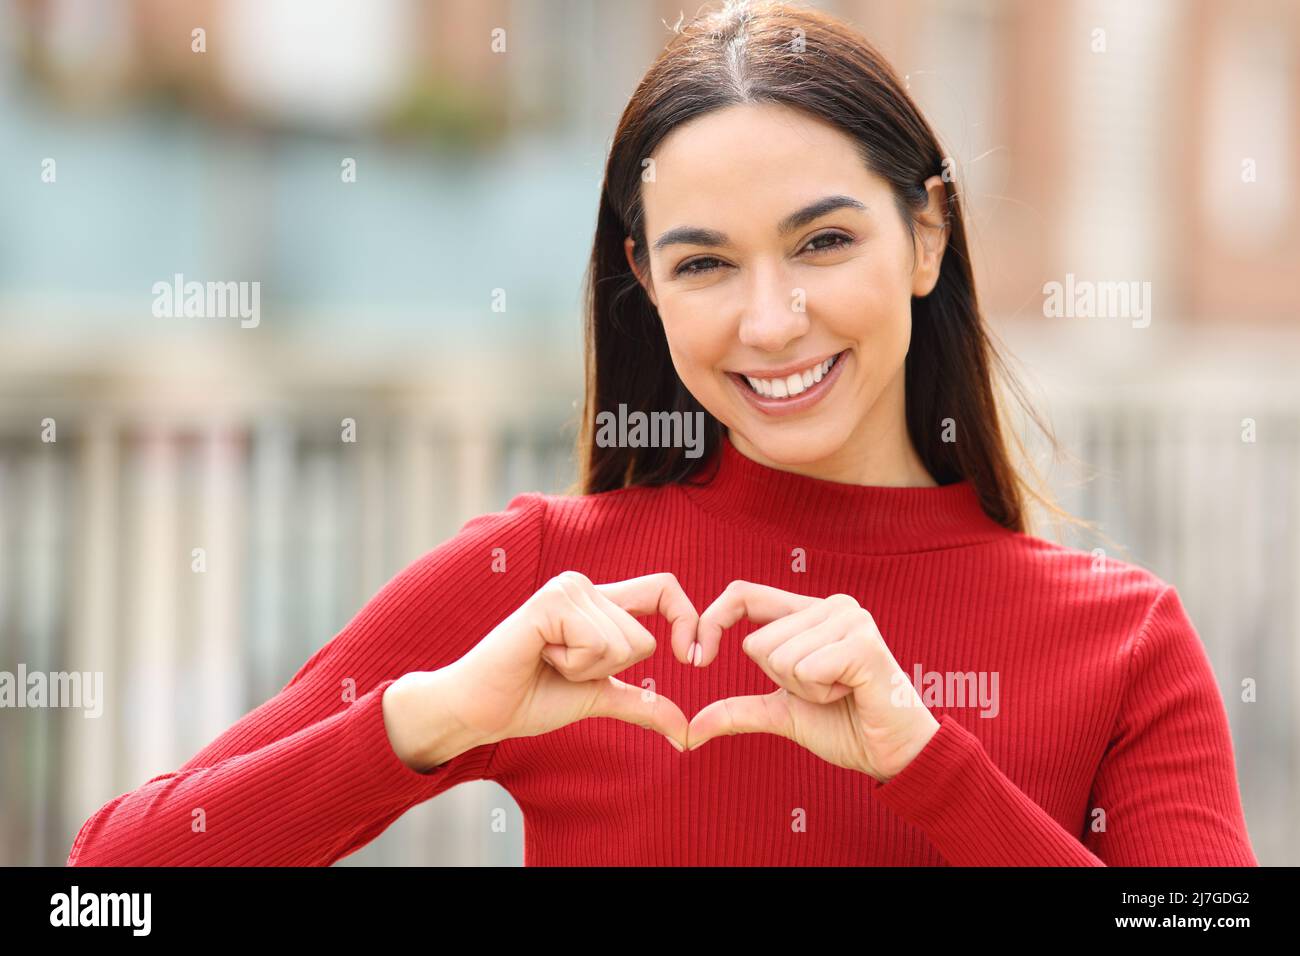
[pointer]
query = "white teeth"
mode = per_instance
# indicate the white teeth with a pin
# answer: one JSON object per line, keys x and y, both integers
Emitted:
{"x": 791, "y": 385}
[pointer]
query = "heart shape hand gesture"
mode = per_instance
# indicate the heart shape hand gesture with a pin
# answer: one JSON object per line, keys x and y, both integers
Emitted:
{"x": 840, "y": 693}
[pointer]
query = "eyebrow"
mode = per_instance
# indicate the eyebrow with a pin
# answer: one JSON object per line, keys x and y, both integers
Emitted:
{"x": 698, "y": 236}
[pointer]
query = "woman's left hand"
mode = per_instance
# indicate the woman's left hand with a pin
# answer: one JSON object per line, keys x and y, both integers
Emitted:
{"x": 842, "y": 695}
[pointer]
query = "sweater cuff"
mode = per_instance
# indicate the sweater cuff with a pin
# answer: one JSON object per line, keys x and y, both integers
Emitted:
{"x": 380, "y": 776}
{"x": 928, "y": 786}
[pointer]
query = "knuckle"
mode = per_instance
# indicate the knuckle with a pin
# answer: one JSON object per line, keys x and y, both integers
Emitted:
{"x": 562, "y": 588}
{"x": 553, "y": 596}
{"x": 553, "y": 585}
{"x": 841, "y": 601}
{"x": 867, "y": 626}
{"x": 572, "y": 578}
{"x": 734, "y": 588}
{"x": 549, "y": 597}
{"x": 579, "y": 662}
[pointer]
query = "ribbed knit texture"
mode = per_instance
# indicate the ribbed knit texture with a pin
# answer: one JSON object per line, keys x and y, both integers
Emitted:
{"x": 1110, "y": 745}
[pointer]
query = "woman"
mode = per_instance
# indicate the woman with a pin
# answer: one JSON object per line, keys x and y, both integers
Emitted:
{"x": 778, "y": 257}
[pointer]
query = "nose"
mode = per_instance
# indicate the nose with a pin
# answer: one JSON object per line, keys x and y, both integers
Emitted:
{"x": 774, "y": 312}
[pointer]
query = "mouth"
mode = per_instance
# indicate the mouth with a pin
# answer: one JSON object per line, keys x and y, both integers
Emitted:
{"x": 793, "y": 392}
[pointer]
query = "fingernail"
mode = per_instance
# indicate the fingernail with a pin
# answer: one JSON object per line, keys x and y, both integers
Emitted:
{"x": 674, "y": 743}
{"x": 697, "y": 654}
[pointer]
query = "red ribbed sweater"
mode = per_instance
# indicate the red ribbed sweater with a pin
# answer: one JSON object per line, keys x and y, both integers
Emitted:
{"x": 1109, "y": 746}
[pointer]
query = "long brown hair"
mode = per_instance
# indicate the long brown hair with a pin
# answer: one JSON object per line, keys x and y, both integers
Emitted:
{"x": 770, "y": 52}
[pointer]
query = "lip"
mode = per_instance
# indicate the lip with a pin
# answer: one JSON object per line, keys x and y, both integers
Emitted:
{"x": 778, "y": 407}
{"x": 785, "y": 371}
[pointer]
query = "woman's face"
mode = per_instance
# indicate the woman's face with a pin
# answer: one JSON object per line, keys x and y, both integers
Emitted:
{"x": 773, "y": 252}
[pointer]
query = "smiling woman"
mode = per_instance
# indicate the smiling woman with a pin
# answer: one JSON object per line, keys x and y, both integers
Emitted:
{"x": 793, "y": 270}
{"x": 791, "y": 315}
{"x": 779, "y": 201}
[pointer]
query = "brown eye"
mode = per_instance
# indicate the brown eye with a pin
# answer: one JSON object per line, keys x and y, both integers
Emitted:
{"x": 689, "y": 267}
{"x": 840, "y": 240}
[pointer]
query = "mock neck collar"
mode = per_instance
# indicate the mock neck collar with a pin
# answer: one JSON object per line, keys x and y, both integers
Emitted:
{"x": 800, "y": 511}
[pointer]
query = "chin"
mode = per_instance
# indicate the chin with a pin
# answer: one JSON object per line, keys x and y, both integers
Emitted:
{"x": 795, "y": 442}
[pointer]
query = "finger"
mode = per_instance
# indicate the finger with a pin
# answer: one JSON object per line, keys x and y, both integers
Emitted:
{"x": 834, "y": 669}
{"x": 639, "y": 639}
{"x": 752, "y": 714}
{"x": 779, "y": 650}
{"x": 644, "y": 708}
{"x": 661, "y": 594}
{"x": 769, "y": 637}
{"x": 582, "y": 644}
{"x": 573, "y": 639}
{"x": 591, "y": 644}
{"x": 744, "y": 600}
{"x": 760, "y": 645}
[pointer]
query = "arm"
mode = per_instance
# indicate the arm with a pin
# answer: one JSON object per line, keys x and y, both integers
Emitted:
{"x": 1167, "y": 781}
{"x": 311, "y": 775}
{"x": 972, "y": 812}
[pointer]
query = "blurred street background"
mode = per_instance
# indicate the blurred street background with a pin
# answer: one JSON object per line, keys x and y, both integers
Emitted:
{"x": 383, "y": 172}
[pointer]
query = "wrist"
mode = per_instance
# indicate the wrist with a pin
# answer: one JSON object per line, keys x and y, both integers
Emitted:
{"x": 900, "y": 759}
{"x": 424, "y": 731}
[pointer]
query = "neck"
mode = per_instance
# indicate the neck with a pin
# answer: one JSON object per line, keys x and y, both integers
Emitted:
{"x": 799, "y": 510}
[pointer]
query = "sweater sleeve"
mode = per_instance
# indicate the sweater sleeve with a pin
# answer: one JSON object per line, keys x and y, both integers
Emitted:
{"x": 310, "y": 776}
{"x": 1166, "y": 782}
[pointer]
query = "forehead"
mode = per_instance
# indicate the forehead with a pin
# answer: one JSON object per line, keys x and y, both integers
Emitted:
{"x": 753, "y": 163}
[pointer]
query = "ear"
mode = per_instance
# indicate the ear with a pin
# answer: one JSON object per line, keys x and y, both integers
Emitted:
{"x": 931, "y": 237}
{"x": 629, "y": 246}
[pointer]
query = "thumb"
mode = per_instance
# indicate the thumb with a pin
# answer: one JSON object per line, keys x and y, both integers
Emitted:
{"x": 754, "y": 714}
{"x": 637, "y": 705}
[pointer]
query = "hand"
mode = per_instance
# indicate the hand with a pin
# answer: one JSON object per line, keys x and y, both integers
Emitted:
{"x": 842, "y": 695}
{"x": 552, "y": 661}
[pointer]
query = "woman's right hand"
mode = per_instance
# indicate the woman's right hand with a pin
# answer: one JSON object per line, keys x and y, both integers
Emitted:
{"x": 552, "y": 661}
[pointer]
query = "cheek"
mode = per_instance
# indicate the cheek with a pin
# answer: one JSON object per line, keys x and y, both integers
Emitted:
{"x": 861, "y": 299}
{"x": 695, "y": 350}
{"x": 697, "y": 335}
